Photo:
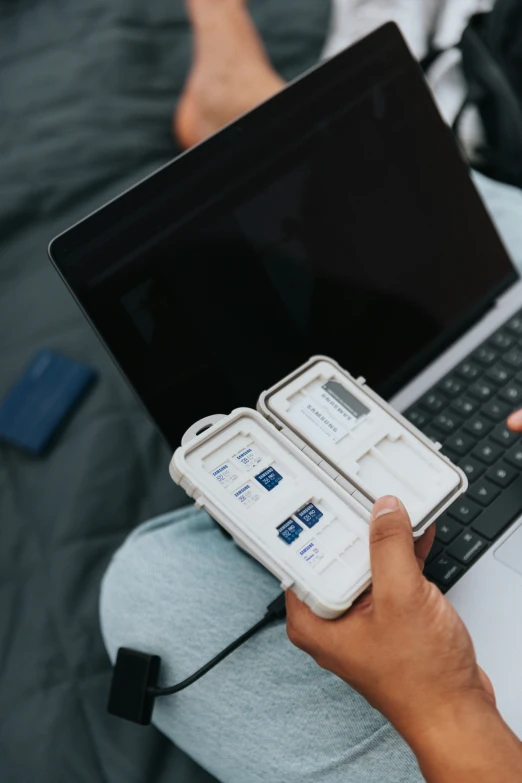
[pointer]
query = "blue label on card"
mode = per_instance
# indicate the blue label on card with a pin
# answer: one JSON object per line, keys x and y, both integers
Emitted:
{"x": 289, "y": 531}
{"x": 269, "y": 478}
{"x": 309, "y": 514}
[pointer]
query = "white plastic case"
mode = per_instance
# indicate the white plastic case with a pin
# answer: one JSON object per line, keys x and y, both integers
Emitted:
{"x": 294, "y": 483}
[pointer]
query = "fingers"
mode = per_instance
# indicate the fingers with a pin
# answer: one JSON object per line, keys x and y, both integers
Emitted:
{"x": 488, "y": 685}
{"x": 514, "y": 421}
{"x": 303, "y": 627}
{"x": 395, "y": 571}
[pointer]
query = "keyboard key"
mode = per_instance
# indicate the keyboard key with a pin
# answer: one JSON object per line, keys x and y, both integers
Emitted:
{"x": 485, "y": 356}
{"x": 502, "y": 340}
{"x": 487, "y": 452}
{"x": 460, "y": 443}
{"x": 499, "y": 374}
{"x": 444, "y": 570}
{"x": 418, "y": 418}
{"x": 484, "y": 492}
{"x": 464, "y": 510}
{"x": 496, "y": 410}
{"x": 447, "y": 529}
{"x": 512, "y": 393}
{"x": 468, "y": 371}
{"x": 505, "y": 437}
{"x": 467, "y": 547}
{"x": 501, "y": 513}
{"x": 464, "y": 406}
{"x": 478, "y": 426}
{"x": 514, "y": 457}
{"x": 434, "y": 552}
{"x": 433, "y": 403}
{"x": 502, "y": 474}
{"x": 446, "y": 422}
{"x": 513, "y": 358}
{"x": 432, "y": 433}
{"x": 451, "y": 387}
{"x": 515, "y": 325}
{"x": 472, "y": 468}
{"x": 482, "y": 390}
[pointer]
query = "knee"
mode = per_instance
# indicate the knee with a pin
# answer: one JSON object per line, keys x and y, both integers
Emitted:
{"x": 117, "y": 596}
{"x": 138, "y": 576}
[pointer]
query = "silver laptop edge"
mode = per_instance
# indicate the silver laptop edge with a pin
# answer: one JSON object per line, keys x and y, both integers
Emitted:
{"x": 489, "y": 595}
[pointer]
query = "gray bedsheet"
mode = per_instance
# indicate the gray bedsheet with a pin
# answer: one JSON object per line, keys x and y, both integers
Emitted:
{"x": 86, "y": 93}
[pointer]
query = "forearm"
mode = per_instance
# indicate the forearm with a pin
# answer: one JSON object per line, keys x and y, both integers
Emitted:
{"x": 468, "y": 744}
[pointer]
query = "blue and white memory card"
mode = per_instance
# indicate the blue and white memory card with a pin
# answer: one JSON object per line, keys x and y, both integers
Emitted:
{"x": 289, "y": 531}
{"x": 50, "y": 387}
{"x": 269, "y": 478}
{"x": 309, "y": 515}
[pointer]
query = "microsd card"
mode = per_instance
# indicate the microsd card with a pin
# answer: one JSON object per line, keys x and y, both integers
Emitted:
{"x": 247, "y": 495}
{"x": 289, "y": 531}
{"x": 226, "y": 474}
{"x": 311, "y": 554}
{"x": 249, "y": 457}
{"x": 269, "y": 478}
{"x": 309, "y": 515}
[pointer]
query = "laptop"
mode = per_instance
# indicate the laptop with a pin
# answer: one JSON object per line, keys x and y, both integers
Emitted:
{"x": 337, "y": 218}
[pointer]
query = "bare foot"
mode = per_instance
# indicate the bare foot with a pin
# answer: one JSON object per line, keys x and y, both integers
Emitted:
{"x": 230, "y": 73}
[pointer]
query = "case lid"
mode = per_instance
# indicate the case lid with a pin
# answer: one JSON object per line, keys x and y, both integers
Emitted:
{"x": 352, "y": 433}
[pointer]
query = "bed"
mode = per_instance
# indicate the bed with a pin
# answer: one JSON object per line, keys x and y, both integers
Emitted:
{"x": 86, "y": 94}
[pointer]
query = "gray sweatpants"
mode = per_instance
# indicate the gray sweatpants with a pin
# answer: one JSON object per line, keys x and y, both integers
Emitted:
{"x": 177, "y": 587}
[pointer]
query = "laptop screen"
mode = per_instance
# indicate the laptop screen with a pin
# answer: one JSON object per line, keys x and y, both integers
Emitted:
{"x": 338, "y": 218}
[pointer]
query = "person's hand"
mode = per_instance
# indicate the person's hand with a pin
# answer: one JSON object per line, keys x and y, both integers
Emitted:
{"x": 514, "y": 421}
{"x": 402, "y": 645}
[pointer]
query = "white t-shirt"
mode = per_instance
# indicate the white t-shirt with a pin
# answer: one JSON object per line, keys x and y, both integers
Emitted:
{"x": 420, "y": 21}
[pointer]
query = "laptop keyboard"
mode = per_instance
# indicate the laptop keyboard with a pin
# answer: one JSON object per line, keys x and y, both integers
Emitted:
{"x": 466, "y": 412}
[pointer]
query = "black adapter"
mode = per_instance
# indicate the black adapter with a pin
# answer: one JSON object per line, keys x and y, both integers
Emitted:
{"x": 135, "y": 677}
{"x": 131, "y": 696}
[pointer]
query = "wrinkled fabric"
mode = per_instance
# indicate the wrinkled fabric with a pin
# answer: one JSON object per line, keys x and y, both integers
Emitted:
{"x": 87, "y": 91}
{"x": 267, "y": 713}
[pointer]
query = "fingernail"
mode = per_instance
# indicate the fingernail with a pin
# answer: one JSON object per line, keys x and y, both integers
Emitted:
{"x": 515, "y": 420}
{"x": 386, "y": 505}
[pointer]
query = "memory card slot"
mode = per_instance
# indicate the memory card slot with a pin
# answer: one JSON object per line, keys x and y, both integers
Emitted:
{"x": 325, "y": 409}
{"x": 307, "y": 515}
{"x": 379, "y": 476}
{"x": 237, "y": 460}
{"x": 286, "y": 493}
{"x": 329, "y": 542}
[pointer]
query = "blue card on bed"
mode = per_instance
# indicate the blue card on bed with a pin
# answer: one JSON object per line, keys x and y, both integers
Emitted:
{"x": 43, "y": 396}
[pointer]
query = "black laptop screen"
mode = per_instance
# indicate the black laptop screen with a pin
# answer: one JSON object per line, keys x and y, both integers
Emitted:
{"x": 338, "y": 219}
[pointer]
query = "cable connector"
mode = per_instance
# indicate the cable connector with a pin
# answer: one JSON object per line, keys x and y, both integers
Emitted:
{"x": 277, "y": 609}
{"x": 134, "y": 674}
{"x": 135, "y": 678}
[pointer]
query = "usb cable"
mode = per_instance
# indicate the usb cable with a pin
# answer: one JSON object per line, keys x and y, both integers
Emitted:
{"x": 134, "y": 681}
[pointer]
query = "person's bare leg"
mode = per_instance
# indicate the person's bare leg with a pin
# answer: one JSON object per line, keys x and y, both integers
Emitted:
{"x": 230, "y": 73}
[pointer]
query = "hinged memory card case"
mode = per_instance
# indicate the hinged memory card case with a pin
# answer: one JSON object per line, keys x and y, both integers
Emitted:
{"x": 294, "y": 482}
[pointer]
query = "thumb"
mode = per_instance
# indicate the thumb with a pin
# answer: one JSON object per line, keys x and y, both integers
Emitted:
{"x": 395, "y": 571}
{"x": 514, "y": 421}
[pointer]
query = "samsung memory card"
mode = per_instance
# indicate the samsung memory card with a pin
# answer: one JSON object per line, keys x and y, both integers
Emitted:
{"x": 269, "y": 478}
{"x": 225, "y": 474}
{"x": 247, "y": 495}
{"x": 309, "y": 515}
{"x": 289, "y": 531}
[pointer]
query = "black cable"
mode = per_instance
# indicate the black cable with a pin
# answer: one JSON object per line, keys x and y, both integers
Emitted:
{"x": 274, "y": 611}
